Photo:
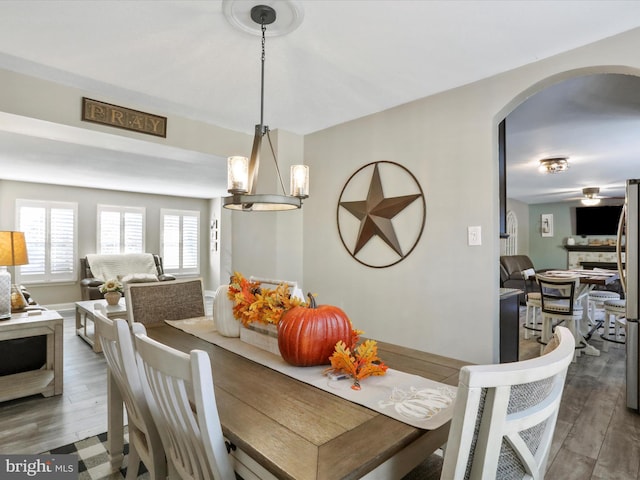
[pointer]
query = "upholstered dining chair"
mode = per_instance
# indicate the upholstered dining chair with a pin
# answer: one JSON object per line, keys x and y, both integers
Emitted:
{"x": 180, "y": 393}
{"x": 505, "y": 415}
{"x": 144, "y": 441}
{"x": 154, "y": 302}
{"x": 559, "y": 303}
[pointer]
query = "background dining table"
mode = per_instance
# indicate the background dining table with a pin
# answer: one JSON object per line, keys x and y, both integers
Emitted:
{"x": 296, "y": 431}
{"x": 589, "y": 280}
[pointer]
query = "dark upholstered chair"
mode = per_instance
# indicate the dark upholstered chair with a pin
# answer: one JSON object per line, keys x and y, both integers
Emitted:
{"x": 511, "y": 268}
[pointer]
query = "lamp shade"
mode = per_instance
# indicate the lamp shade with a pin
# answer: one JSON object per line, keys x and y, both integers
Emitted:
{"x": 13, "y": 249}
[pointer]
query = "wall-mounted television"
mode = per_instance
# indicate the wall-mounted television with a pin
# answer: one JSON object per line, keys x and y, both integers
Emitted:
{"x": 599, "y": 220}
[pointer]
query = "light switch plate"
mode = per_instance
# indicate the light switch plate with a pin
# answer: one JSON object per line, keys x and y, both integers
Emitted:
{"x": 474, "y": 235}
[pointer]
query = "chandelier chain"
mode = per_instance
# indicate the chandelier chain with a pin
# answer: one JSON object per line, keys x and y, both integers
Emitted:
{"x": 265, "y": 129}
{"x": 264, "y": 29}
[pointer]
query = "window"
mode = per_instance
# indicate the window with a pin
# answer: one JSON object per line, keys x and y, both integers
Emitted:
{"x": 180, "y": 233}
{"x": 50, "y": 231}
{"x": 120, "y": 229}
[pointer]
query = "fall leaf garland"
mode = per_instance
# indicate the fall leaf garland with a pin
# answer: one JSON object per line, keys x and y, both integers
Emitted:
{"x": 254, "y": 303}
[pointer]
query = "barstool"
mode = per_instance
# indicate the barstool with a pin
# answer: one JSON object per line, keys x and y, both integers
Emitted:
{"x": 617, "y": 310}
{"x": 534, "y": 304}
{"x": 596, "y": 301}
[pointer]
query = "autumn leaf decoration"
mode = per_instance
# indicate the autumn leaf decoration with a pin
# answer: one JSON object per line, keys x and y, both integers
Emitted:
{"x": 254, "y": 303}
{"x": 360, "y": 362}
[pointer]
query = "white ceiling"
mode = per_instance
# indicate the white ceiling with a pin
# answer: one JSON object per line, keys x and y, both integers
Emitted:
{"x": 347, "y": 59}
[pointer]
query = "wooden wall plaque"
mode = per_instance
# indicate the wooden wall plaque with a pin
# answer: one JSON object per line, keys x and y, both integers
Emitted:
{"x": 122, "y": 117}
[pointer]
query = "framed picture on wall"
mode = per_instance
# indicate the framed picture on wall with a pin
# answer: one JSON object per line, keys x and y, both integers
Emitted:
{"x": 546, "y": 225}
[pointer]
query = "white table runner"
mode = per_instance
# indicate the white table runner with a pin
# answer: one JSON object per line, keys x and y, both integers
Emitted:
{"x": 411, "y": 399}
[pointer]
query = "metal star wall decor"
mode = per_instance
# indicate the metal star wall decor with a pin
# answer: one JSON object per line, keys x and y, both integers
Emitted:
{"x": 376, "y": 214}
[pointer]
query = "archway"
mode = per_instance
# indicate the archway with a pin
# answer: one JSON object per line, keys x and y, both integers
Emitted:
{"x": 590, "y": 92}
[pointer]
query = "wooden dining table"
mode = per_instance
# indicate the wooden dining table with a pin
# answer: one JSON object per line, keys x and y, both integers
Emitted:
{"x": 291, "y": 430}
{"x": 589, "y": 280}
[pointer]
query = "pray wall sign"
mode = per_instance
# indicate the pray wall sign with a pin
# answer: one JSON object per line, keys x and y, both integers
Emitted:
{"x": 121, "y": 117}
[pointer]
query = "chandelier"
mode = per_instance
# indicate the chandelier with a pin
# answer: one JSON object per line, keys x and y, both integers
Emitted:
{"x": 590, "y": 196}
{"x": 554, "y": 165}
{"x": 242, "y": 172}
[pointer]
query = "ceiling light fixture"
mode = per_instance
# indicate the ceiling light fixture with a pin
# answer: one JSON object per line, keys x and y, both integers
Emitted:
{"x": 242, "y": 173}
{"x": 590, "y": 196}
{"x": 554, "y": 165}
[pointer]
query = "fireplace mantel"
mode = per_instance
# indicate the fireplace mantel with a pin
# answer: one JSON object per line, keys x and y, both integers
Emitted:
{"x": 591, "y": 255}
{"x": 590, "y": 248}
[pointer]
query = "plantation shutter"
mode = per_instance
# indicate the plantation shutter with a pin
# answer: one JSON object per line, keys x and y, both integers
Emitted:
{"x": 180, "y": 241}
{"x": 120, "y": 229}
{"x": 50, "y": 234}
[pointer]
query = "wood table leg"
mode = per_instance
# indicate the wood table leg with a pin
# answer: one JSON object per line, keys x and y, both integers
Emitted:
{"x": 58, "y": 359}
{"x": 115, "y": 419}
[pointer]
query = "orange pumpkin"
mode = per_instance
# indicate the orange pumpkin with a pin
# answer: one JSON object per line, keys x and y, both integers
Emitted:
{"x": 307, "y": 336}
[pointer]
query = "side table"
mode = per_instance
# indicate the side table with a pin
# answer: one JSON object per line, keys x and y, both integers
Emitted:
{"x": 85, "y": 321}
{"x": 48, "y": 379}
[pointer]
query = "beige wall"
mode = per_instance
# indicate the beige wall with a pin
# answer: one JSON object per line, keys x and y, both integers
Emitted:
{"x": 444, "y": 297}
{"x": 88, "y": 200}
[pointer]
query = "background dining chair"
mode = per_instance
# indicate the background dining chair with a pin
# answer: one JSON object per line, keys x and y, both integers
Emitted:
{"x": 559, "y": 304}
{"x": 144, "y": 441}
{"x": 533, "y": 303}
{"x": 505, "y": 415}
{"x": 153, "y": 303}
{"x": 180, "y": 393}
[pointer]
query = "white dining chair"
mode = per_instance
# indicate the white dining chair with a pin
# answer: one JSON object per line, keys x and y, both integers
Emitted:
{"x": 505, "y": 415}
{"x": 180, "y": 393}
{"x": 144, "y": 441}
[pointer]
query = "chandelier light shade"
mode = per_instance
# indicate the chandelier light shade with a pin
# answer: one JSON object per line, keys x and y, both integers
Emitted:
{"x": 554, "y": 165}
{"x": 242, "y": 172}
{"x": 238, "y": 174}
{"x": 590, "y": 196}
{"x": 13, "y": 251}
{"x": 299, "y": 181}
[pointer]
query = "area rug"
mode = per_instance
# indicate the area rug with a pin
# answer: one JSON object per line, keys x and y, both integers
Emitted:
{"x": 93, "y": 459}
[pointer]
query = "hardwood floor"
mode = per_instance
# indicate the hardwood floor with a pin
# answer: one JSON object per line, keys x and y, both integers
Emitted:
{"x": 36, "y": 424}
{"x": 596, "y": 437}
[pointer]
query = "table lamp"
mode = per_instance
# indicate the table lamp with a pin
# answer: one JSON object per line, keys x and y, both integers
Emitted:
{"x": 13, "y": 251}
